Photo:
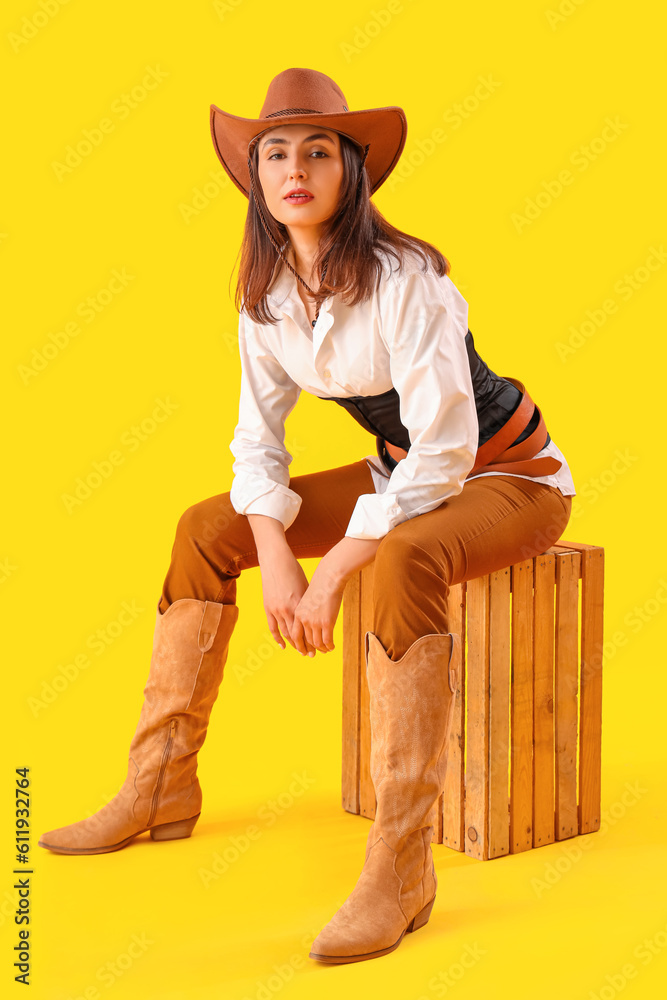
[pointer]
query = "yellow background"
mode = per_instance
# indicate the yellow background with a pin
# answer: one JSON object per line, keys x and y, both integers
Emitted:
{"x": 169, "y": 334}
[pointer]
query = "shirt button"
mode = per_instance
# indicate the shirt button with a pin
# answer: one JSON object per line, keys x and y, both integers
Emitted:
{"x": 326, "y": 373}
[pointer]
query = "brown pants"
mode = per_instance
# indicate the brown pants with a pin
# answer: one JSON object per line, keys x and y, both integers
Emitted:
{"x": 495, "y": 521}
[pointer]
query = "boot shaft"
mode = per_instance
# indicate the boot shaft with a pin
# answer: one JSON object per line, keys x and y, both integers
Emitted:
{"x": 190, "y": 649}
{"x": 411, "y": 707}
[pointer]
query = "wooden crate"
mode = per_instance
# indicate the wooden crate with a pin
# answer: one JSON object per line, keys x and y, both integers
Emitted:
{"x": 524, "y": 757}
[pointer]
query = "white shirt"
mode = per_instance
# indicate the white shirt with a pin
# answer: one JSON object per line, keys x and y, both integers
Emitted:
{"x": 409, "y": 335}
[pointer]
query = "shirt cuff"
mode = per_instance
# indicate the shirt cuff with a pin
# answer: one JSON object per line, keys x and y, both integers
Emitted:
{"x": 274, "y": 499}
{"x": 374, "y": 515}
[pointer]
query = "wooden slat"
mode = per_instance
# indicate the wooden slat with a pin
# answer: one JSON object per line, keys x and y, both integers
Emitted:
{"x": 366, "y": 790}
{"x": 590, "y": 727}
{"x": 477, "y": 719}
{"x": 469, "y": 810}
{"x": 352, "y": 651}
{"x": 575, "y": 546}
{"x": 566, "y": 684}
{"x": 543, "y": 701}
{"x": 452, "y": 833}
{"x": 558, "y": 549}
{"x": 499, "y": 713}
{"x": 521, "y": 772}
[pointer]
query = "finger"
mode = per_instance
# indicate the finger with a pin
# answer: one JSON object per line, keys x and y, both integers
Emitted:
{"x": 316, "y": 638}
{"x": 273, "y": 629}
{"x": 285, "y": 631}
{"x": 298, "y": 636}
{"x": 327, "y": 637}
{"x": 311, "y": 644}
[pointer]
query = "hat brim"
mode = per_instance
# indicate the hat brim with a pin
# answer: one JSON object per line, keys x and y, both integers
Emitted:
{"x": 383, "y": 129}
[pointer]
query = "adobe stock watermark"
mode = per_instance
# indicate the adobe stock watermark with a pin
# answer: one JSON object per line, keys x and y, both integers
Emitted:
{"x": 202, "y": 197}
{"x": 88, "y": 309}
{"x": 374, "y": 25}
{"x": 635, "y": 620}
{"x": 648, "y": 949}
{"x": 440, "y": 984}
{"x": 111, "y": 971}
{"x": 282, "y": 973}
{"x": 224, "y": 8}
{"x": 121, "y": 108}
{"x": 7, "y": 569}
{"x": 625, "y": 288}
{"x": 97, "y": 642}
{"x": 562, "y": 13}
{"x": 210, "y": 529}
{"x": 573, "y": 851}
{"x": 131, "y": 440}
{"x": 258, "y": 657}
{"x": 255, "y": 659}
{"x": 591, "y": 490}
{"x": 32, "y": 24}
{"x": 581, "y": 158}
{"x": 453, "y": 117}
{"x": 268, "y": 813}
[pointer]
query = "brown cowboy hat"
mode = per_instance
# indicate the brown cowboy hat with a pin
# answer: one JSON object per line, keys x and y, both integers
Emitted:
{"x": 303, "y": 96}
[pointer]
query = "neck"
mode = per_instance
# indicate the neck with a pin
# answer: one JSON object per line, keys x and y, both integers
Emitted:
{"x": 303, "y": 248}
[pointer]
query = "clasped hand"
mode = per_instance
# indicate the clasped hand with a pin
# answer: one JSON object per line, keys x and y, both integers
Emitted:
{"x": 304, "y": 613}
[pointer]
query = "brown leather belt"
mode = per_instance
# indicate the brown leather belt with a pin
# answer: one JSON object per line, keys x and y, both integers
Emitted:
{"x": 498, "y": 454}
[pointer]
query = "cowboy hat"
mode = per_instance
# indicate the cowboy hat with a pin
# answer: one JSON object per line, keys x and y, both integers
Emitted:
{"x": 304, "y": 96}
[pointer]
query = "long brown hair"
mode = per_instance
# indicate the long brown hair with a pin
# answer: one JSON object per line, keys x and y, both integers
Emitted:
{"x": 347, "y": 261}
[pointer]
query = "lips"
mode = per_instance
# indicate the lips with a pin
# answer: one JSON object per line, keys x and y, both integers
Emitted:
{"x": 298, "y": 196}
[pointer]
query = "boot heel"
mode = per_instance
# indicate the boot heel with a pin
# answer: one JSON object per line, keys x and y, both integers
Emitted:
{"x": 421, "y": 918}
{"x": 174, "y": 831}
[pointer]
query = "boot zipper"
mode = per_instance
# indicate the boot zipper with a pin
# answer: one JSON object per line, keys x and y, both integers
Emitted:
{"x": 163, "y": 767}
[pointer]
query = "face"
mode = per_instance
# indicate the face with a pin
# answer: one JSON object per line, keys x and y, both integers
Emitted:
{"x": 306, "y": 157}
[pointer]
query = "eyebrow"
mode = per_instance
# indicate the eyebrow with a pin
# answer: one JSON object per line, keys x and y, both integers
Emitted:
{"x": 309, "y": 138}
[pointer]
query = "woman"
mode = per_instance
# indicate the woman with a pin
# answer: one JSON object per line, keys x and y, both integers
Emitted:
{"x": 466, "y": 480}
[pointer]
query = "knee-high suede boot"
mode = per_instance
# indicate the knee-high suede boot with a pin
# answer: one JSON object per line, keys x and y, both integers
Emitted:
{"x": 411, "y": 707}
{"x": 161, "y": 792}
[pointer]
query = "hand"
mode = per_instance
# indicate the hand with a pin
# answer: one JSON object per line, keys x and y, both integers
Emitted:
{"x": 283, "y": 584}
{"x": 317, "y": 611}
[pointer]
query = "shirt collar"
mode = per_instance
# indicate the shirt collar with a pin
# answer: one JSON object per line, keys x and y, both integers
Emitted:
{"x": 284, "y": 294}
{"x": 283, "y": 284}
{"x": 282, "y": 281}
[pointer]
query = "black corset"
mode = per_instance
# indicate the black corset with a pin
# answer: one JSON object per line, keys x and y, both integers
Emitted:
{"x": 496, "y": 399}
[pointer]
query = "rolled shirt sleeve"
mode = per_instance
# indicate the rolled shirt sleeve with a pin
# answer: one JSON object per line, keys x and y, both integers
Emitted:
{"x": 261, "y": 466}
{"x": 424, "y": 323}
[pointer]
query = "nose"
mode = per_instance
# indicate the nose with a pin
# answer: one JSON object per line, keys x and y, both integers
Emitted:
{"x": 296, "y": 167}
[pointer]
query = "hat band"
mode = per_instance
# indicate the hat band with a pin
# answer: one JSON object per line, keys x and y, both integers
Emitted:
{"x": 294, "y": 111}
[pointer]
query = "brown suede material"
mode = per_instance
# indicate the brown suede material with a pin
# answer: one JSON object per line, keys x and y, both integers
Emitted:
{"x": 190, "y": 648}
{"x": 371, "y": 917}
{"x": 308, "y": 96}
{"x": 411, "y": 706}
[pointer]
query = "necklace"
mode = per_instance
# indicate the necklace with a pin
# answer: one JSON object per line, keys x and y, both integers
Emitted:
{"x": 324, "y": 271}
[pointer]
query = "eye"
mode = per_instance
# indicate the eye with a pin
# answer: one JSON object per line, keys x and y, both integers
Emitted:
{"x": 318, "y": 153}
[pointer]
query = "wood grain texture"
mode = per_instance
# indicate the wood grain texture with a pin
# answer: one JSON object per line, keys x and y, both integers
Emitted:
{"x": 499, "y": 713}
{"x": 453, "y": 798}
{"x": 566, "y": 684}
{"x": 544, "y": 815}
{"x": 590, "y": 717}
{"x": 522, "y": 700}
{"x": 521, "y": 776}
{"x": 477, "y": 719}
